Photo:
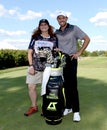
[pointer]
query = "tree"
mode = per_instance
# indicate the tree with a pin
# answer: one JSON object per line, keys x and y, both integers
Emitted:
{"x": 79, "y": 45}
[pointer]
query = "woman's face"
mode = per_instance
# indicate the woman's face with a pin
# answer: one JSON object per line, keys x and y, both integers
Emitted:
{"x": 44, "y": 27}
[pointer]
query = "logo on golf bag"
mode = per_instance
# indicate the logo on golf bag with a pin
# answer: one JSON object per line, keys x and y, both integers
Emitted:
{"x": 52, "y": 106}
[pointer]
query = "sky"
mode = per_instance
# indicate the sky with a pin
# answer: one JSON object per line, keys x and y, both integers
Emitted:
{"x": 18, "y": 19}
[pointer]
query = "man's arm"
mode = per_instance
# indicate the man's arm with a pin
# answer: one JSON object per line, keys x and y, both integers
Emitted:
{"x": 84, "y": 46}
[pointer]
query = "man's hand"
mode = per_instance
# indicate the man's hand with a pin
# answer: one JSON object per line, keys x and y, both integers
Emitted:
{"x": 75, "y": 56}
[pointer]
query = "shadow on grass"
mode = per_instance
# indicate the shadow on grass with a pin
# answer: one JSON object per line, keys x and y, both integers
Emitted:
{"x": 93, "y": 96}
{"x": 14, "y": 101}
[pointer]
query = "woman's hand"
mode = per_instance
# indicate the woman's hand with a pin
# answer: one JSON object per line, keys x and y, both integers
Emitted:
{"x": 57, "y": 49}
{"x": 31, "y": 70}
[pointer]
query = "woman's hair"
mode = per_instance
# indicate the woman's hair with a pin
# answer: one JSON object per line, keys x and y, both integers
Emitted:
{"x": 37, "y": 31}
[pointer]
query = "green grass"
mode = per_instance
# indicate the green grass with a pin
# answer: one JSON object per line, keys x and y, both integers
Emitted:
{"x": 92, "y": 86}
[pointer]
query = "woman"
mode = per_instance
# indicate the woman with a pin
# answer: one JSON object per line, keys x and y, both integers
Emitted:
{"x": 42, "y": 42}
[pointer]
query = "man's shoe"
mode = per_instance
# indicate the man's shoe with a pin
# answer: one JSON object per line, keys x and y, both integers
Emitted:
{"x": 31, "y": 111}
{"x": 76, "y": 117}
{"x": 67, "y": 111}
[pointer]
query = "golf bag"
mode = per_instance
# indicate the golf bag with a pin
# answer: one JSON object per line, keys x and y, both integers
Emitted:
{"x": 53, "y": 99}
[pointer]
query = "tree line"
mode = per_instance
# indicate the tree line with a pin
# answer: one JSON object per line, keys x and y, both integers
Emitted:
{"x": 15, "y": 58}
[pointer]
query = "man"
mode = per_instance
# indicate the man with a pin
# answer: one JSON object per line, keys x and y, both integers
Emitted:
{"x": 68, "y": 36}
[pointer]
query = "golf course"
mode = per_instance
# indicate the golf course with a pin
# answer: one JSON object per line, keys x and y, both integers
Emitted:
{"x": 92, "y": 87}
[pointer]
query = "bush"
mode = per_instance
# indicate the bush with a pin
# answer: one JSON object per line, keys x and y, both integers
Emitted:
{"x": 21, "y": 58}
{"x": 13, "y": 58}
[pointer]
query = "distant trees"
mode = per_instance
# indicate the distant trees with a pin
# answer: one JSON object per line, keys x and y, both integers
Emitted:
{"x": 88, "y": 53}
{"x": 98, "y": 53}
{"x": 13, "y": 58}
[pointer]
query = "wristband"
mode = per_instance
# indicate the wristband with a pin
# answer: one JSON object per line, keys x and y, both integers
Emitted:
{"x": 31, "y": 65}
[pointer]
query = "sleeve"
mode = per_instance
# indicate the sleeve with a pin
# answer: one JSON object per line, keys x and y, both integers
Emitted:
{"x": 79, "y": 33}
{"x": 56, "y": 43}
{"x": 31, "y": 44}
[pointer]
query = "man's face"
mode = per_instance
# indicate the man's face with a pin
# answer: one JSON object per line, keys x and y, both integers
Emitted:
{"x": 62, "y": 20}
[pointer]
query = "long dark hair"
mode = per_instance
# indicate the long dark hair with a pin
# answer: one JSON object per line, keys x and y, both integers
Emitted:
{"x": 37, "y": 31}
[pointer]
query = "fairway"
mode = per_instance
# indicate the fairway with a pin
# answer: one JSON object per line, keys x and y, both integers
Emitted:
{"x": 92, "y": 86}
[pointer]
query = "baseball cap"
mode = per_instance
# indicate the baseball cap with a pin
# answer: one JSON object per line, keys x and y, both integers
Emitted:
{"x": 43, "y": 21}
{"x": 61, "y": 13}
